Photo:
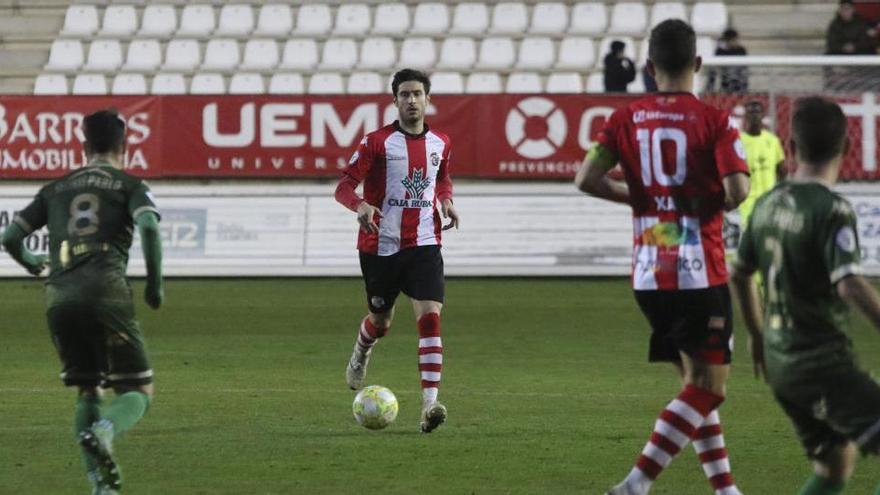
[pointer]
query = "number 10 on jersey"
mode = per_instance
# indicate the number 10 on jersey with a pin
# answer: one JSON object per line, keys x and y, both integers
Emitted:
{"x": 651, "y": 155}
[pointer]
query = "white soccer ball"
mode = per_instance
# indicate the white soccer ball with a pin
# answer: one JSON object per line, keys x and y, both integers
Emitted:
{"x": 375, "y": 407}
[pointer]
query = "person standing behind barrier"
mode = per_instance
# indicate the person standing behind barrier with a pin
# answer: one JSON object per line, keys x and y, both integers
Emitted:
{"x": 619, "y": 69}
{"x": 729, "y": 79}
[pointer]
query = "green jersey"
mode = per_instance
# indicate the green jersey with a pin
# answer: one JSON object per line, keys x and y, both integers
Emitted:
{"x": 90, "y": 217}
{"x": 802, "y": 237}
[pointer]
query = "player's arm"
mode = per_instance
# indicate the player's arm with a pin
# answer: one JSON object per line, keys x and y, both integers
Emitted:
{"x": 13, "y": 242}
{"x": 444, "y": 193}
{"x": 358, "y": 166}
{"x": 151, "y": 245}
{"x": 858, "y": 292}
{"x": 746, "y": 290}
{"x": 736, "y": 189}
{"x": 592, "y": 177}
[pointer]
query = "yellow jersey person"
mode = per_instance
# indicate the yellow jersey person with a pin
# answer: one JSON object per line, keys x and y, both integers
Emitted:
{"x": 764, "y": 154}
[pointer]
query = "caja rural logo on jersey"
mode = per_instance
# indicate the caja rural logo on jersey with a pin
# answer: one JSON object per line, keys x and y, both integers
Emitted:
{"x": 416, "y": 184}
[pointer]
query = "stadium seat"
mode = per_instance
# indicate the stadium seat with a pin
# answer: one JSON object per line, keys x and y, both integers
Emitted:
{"x": 207, "y": 84}
{"x": 246, "y": 83}
{"x": 709, "y": 17}
{"x": 168, "y": 84}
{"x": 483, "y": 83}
{"x": 352, "y": 19}
{"x": 365, "y": 83}
{"x": 196, "y": 20}
{"x": 158, "y": 20}
{"x": 80, "y": 20}
{"x": 536, "y": 54}
{"x": 596, "y": 83}
{"x": 119, "y": 20}
{"x": 638, "y": 85}
{"x": 430, "y": 18}
{"x": 470, "y": 18}
{"x": 299, "y": 54}
{"x": 549, "y": 18}
{"x": 564, "y": 82}
{"x": 643, "y": 54}
{"x": 286, "y": 84}
{"x": 221, "y": 54}
{"x": 89, "y": 84}
{"x": 235, "y": 20}
{"x": 104, "y": 55}
{"x": 576, "y": 53}
{"x": 496, "y": 53}
{"x": 338, "y": 54}
{"x": 274, "y": 20}
{"x": 661, "y": 11}
{"x": 391, "y": 18}
{"x": 447, "y": 83}
{"x": 326, "y": 83}
{"x": 417, "y": 53}
{"x": 509, "y": 18}
{"x": 628, "y": 18}
{"x": 705, "y": 46}
{"x": 129, "y": 84}
{"x": 143, "y": 55}
{"x": 377, "y": 53}
{"x": 457, "y": 53}
{"x": 588, "y": 18}
{"x": 523, "y": 82}
{"x": 260, "y": 54}
{"x": 313, "y": 19}
{"x": 65, "y": 55}
{"x": 182, "y": 55}
{"x": 50, "y": 84}
{"x": 605, "y": 47}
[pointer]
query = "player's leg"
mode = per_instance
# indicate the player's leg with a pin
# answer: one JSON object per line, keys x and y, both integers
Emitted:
{"x": 831, "y": 471}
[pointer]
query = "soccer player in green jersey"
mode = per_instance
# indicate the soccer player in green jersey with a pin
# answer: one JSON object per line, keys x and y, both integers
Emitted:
{"x": 802, "y": 237}
{"x": 90, "y": 215}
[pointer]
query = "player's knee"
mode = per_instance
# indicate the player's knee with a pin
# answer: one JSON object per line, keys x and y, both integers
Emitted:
{"x": 89, "y": 392}
{"x": 381, "y": 323}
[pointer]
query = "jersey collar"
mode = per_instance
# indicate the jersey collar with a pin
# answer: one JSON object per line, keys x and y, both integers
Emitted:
{"x": 409, "y": 135}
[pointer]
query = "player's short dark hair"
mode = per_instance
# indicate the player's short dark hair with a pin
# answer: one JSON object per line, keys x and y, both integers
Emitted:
{"x": 672, "y": 46}
{"x": 405, "y": 75}
{"x": 104, "y": 131}
{"x": 819, "y": 129}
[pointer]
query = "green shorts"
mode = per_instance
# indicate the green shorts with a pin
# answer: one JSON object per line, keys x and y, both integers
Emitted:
{"x": 838, "y": 408}
{"x": 99, "y": 344}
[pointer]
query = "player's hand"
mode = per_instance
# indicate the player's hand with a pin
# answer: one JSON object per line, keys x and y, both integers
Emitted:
{"x": 366, "y": 214}
{"x": 449, "y": 212}
{"x": 756, "y": 347}
{"x": 154, "y": 295}
{"x": 42, "y": 261}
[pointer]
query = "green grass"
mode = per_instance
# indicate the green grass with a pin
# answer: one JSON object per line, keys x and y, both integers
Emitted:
{"x": 546, "y": 381}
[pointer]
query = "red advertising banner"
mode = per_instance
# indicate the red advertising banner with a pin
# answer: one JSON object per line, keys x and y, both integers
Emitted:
{"x": 493, "y": 136}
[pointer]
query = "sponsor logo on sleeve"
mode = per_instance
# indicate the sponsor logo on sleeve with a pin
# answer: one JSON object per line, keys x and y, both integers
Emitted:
{"x": 739, "y": 149}
{"x": 846, "y": 239}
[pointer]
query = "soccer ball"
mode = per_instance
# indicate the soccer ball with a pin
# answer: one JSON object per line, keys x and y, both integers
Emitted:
{"x": 375, "y": 407}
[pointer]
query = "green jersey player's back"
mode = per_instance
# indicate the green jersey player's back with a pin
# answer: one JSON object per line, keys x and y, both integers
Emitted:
{"x": 802, "y": 237}
{"x": 90, "y": 216}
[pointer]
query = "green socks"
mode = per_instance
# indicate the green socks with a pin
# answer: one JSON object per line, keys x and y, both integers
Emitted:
{"x": 126, "y": 410}
{"x": 85, "y": 413}
{"x": 822, "y": 486}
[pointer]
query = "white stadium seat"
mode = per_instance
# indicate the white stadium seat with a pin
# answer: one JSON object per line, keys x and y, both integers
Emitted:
{"x": 446, "y": 83}
{"x": 158, "y": 20}
{"x": 246, "y": 83}
{"x": 65, "y": 55}
{"x": 605, "y": 48}
{"x": 638, "y": 85}
{"x": 705, "y": 46}
{"x": 662, "y": 11}
{"x": 588, "y": 18}
{"x": 509, "y": 18}
{"x": 80, "y": 20}
{"x": 338, "y": 54}
{"x": 523, "y": 82}
{"x": 129, "y": 84}
{"x": 377, "y": 53}
{"x": 549, "y": 18}
{"x": 536, "y": 54}
{"x": 326, "y": 83}
{"x": 628, "y": 18}
{"x": 168, "y": 84}
{"x": 430, "y": 18}
{"x": 299, "y": 54}
{"x": 365, "y": 83}
{"x": 143, "y": 55}
{"x": 417, "y": 53}
{"x": 483, "y": 83}
{"x": 104, "y": 55}
{"x": 352, "y": 19}
{"x": 470, "y": 18}
{"x": 50, "y": 84}
{"x": 119, "y": 20}
{"x": 286, "y": 84}
{"x": 496, "y": 53}
{"x": 564, "y": 82}
{"x": 709, "y": 17}
{"x": 182, "y": 55}
{"x": 260, "y": 54}
{"x": 89, "y": 84}
{"x": 643, "y": 54}
{"x": 391, "y": 18}
{"x": 196, "y": 20}
{"x": 313, "y": 19}
{"x": 576, "y": 53}
{"x": 274, "y": 20}
{"x": 207, "y": 84}
{"x": 457, "y": 53}
{"x": 221, "y": 54}
{"x": 235, "y": 20}
{"x": 596, "y": 83}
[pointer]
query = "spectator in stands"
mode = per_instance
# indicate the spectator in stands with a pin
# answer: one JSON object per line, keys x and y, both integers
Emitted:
{"x": 619, "y": 70}
{"x": 732, "y": 79}
{"x": 849, "y": 33}
{"x": 650, "y": 82}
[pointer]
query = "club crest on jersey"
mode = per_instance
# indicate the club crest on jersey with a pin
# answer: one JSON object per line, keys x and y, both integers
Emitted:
{"x": 416, "y": 184}
{"x": 435, "y": 159}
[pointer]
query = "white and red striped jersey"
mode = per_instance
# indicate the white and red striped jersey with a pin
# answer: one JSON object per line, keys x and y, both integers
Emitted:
{"x": 675, "y": 150}
{"x": 404, "y": 176}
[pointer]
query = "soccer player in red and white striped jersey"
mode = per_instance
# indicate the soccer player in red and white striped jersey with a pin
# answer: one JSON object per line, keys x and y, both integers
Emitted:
{"x": 405, "y": 171}
{"x": 683, "y": 164}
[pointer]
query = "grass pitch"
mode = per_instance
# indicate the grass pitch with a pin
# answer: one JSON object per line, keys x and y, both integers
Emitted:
{"x": 547, "y": 383}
